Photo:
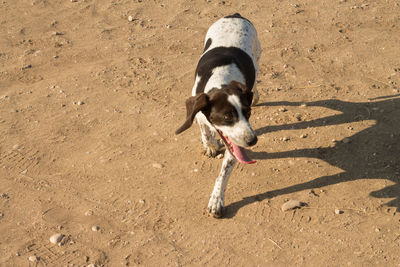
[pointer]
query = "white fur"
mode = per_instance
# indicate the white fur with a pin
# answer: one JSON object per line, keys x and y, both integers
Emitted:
{"x": 224, "y": 75}
{"x": 216, "y": 202}
{"x": 241, "y": 132}
{"x": 220, "y": 75}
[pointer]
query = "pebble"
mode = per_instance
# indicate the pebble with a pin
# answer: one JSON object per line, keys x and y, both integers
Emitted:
{"x": 337, "y": 211}
{"x": 80, "y": 103}
{"x": 157, "y": 165}
{"x": 130, "y": 18}
{"x": 303, "y": 136}
{"x": 33, "y": 258}
{"x": 16, "y": 146}
{"x": 285, "y": 139}
{"x": 26, "y": 67}
{"x": 89, "y": 213}
{"x": 292, "y": 204}
{"x": 95, "y": 228}
{"x": 56, "y": 238}
{"x": 346, "y": 140}
{"x": 92, "y": 265}
{"x": 142, "y": 201}
{"x": 282, "y": 109}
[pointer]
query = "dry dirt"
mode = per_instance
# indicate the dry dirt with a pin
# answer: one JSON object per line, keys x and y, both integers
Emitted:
{"x": 89, "y": 102}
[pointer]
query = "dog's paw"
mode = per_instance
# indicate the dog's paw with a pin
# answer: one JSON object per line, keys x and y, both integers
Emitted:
{"x": 210, "y": 152}
{"x": 214, "y": 151}
{"x": 216, "y": 206}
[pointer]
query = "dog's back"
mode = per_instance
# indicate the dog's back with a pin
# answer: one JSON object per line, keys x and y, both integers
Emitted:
{"x": 231, "y": 53}
{"x": 234, "y": 31}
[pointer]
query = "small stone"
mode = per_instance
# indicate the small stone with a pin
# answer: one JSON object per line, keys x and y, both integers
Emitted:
{"x": 92, "y": 265}
{"x": 130, "y": 18}
{"x": 16, "y": 146}
{"x": 73, "y": 1}
{"x": 285, "y": 139}
{"x": 1, "y": 215}
{"x": 26, "y": 67}
{"x": 56, "y": 238}
{"x": 14, "y": 111}
{"x": 292, "y": 204}
{"x": 196, "y": 170}
{"x": 346, "y": 140}
{"x": 142, "y": 201}
{"x": 168, "y": 26}
{"x": 157, "y": 165}
{"x": 282, "y": 109}
{"x": 337, "y": 211}
{"x": 80, "y": 103}
{"x": 377, "y": 229}
{"x": 89, "y": 213}
{"x": 303, "y": 136}
{"x": 95, "y": 228}
{"x": 33, "y": 258}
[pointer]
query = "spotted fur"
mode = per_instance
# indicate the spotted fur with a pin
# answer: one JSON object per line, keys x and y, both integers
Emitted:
{"x": 223, "y": 92}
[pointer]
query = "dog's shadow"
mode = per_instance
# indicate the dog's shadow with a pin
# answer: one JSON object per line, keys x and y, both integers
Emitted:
{"x": 373, "y": 153}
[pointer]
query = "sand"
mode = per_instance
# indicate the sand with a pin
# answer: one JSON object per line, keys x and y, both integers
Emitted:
{"x": 91, "y": 93}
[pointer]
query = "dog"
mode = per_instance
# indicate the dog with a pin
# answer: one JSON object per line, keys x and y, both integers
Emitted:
{"x": 222, "y": 96}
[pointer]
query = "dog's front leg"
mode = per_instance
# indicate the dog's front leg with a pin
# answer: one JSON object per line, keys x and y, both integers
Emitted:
{"x": 208, "y": 138}
{"x": 216, "y": 203}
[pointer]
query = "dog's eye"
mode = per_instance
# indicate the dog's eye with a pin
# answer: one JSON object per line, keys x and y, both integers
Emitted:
{"x": 228, "y": 117}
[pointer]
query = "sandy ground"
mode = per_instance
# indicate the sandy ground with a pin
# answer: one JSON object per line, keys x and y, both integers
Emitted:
{"x": 89, "y": 102}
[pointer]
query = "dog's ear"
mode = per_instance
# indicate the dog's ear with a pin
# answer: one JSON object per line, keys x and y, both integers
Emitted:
{"x": 194, "y": 104}
{"x": 246, "y": 91}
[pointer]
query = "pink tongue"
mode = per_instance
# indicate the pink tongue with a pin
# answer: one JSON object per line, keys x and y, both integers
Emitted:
{"x": 241, "y": 154}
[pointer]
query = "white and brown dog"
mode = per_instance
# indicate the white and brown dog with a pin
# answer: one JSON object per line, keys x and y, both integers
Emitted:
{"x": 222, "y": 95}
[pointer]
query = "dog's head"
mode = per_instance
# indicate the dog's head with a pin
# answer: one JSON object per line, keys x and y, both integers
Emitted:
{"x": 228, "y": 110}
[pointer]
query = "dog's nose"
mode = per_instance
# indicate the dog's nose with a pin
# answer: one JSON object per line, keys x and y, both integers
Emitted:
{"x": 253, "y": 141}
